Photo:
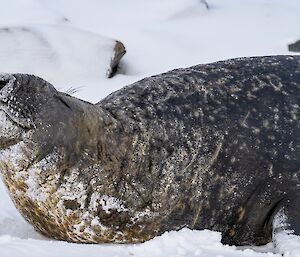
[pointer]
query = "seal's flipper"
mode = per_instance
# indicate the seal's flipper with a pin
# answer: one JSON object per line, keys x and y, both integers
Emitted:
{"x": 286, "y": 228}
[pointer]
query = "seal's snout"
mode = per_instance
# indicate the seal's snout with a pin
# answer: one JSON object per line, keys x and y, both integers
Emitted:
{"x": 17, "y": 98}
{"x": 9, "y": 129}
{"x": 7, "y": 84}
{"x": 22, "y": 96}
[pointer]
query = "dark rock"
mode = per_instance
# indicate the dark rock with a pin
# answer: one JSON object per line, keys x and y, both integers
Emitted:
{"x": 119, "y": 51}
{"x": 295, "y": 47}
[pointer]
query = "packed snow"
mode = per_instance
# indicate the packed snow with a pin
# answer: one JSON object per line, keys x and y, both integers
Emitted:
{"x": 159, "y": 35}
{"x": 57, "y": 53}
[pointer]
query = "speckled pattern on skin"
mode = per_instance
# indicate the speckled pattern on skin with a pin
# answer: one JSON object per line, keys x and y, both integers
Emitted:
{"x": 213, "y": 146}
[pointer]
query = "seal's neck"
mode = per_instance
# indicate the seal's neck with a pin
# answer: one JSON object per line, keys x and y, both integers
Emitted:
{"x": 88, "y": 133}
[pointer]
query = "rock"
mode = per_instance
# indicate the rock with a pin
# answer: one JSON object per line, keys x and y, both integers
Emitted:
{"x": 119, "y": 51}
{"x": 295, "y": 47}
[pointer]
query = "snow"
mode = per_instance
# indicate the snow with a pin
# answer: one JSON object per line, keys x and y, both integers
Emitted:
{"x": 56, "y": 53}
{"x": 183, "y": 243}
{"x": 109, "y": 203}
{"x": 289, "y": 244}
{"x": 21, "y": 12}
{"x": 159, "y": 35}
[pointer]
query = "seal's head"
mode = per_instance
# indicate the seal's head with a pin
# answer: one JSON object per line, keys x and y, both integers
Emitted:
{"x": 27, "y": 106}
{"x": 19, "y": 100}
{"x": 46, "y": 137}
{"x": 31, "y": 110}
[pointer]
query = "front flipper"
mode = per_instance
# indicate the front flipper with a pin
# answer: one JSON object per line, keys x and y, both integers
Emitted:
{"x": 286, "y": 228}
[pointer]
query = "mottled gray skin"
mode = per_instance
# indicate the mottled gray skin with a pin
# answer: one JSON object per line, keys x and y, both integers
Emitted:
{"x": 214, "y": 146}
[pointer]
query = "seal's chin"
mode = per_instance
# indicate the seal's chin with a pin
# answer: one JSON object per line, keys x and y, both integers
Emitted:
{"x": 12, "y": 115}
{"x": 10, "y": 131}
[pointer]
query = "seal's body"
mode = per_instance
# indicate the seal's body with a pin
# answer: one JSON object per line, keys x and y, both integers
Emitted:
{"x": 214, "y": 146}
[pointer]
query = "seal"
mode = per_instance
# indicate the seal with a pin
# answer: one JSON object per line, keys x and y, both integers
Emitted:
{"x": 214, "y": 146}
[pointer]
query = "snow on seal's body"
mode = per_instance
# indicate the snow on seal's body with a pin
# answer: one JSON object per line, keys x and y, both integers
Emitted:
{"x": 213, "y": 146}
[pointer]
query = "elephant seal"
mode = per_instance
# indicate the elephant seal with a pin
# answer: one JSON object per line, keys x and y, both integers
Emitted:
{"x": 214, "y": 146}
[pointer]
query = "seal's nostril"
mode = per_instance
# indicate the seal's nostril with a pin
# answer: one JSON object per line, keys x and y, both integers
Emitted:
{"x": 2, "y": 84}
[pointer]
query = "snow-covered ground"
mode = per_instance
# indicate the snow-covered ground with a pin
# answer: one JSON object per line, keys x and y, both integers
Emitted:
{"x": 159, "y": 35}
